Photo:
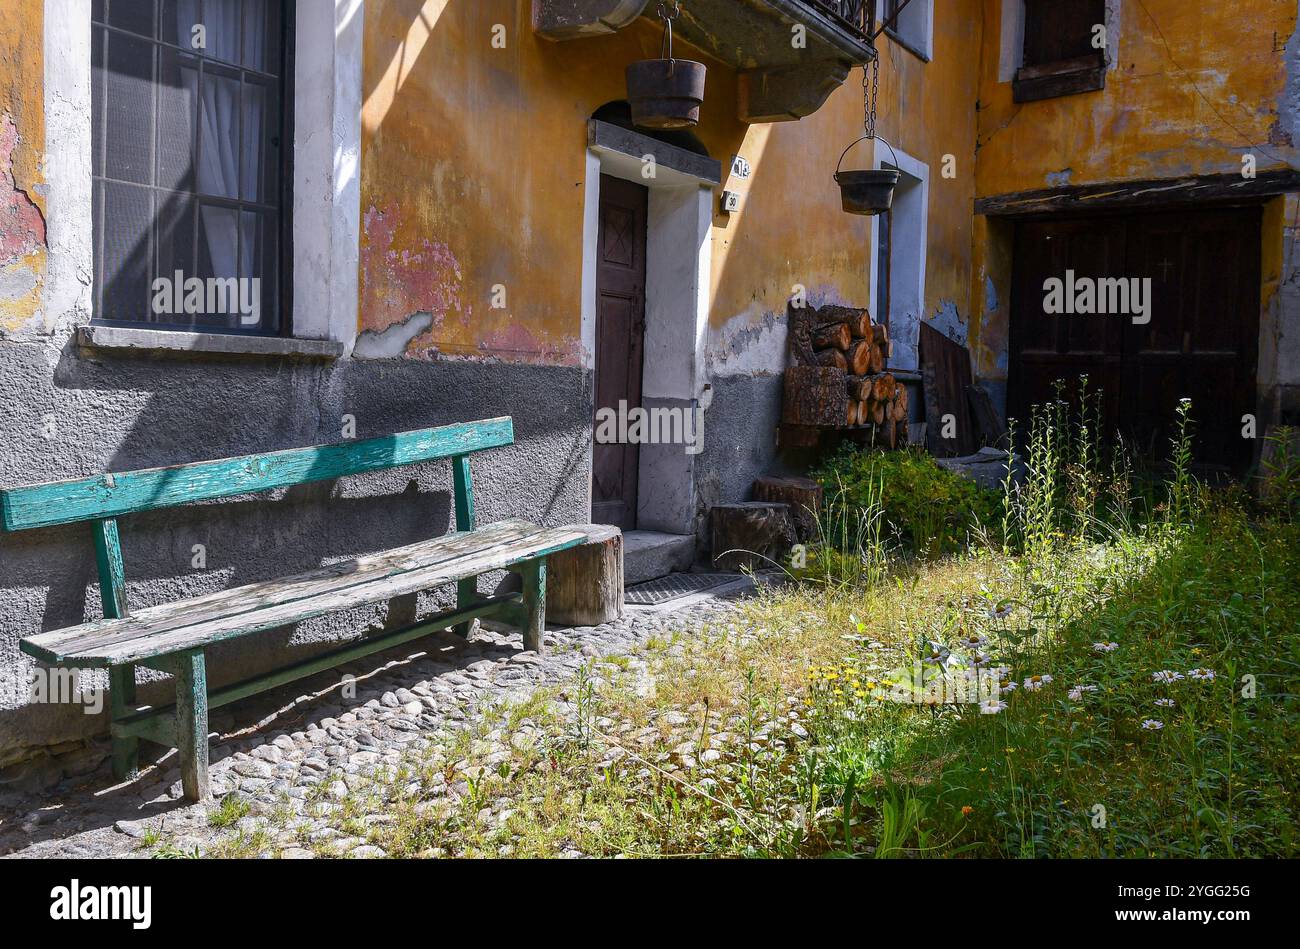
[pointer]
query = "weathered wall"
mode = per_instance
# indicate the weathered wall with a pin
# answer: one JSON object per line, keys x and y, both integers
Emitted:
{"x": 22, "y": 133}
{"x": 69, "y": 413}
{"x": 1193, "y": 87}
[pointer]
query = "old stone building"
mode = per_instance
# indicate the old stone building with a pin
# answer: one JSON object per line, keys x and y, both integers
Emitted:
{"x": 448, "y": 214}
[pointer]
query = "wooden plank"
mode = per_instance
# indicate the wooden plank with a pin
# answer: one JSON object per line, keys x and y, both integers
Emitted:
{"x": 192, "y": 725}
{"x": 946, "y": 369}
{"x": 231, "y": 602}
{"x": 993, "y": 431}
{"x": 121, "y": 680}
{"x": 111, "y": 495}
{"x": 1144, "y": 194}
{"x": 463, "y": 489}
{"x": 534, "y": 577}
{"x": 132, "y": 642}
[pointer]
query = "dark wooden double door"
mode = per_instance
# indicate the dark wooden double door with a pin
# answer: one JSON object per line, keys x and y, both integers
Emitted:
{"x": 1201, "y": 342}
{"x": 620, "y": 342}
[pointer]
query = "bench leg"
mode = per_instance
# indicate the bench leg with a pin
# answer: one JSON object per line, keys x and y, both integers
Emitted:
{"x": 121, "y": 700}
{"x": 466, "y": 596}
{"x": 534, "y": 577}
{"x": 192, "y": 724}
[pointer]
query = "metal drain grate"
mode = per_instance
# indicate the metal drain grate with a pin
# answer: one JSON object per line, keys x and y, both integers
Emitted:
{"x": 673, "y": 586}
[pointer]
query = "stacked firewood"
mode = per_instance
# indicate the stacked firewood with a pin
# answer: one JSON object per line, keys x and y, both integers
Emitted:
{"x": 839, "y": 378}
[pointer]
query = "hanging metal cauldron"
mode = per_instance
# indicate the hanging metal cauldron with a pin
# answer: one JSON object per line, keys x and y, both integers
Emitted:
{"x": 867, "y": 192}
{"x": 666, "y": 93}
{"x": 872, "y": 191}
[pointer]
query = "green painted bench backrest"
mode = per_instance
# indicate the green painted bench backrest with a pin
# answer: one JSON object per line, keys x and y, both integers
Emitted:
{"x": 110, "y": 495}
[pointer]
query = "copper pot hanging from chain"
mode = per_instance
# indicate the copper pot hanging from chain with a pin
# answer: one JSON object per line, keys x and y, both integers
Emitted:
{"x": 666, "y": 93}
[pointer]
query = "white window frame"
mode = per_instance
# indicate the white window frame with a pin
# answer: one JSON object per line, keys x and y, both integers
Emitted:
{"x": 922, "y": 46}
{"x": 326, "y": 184}
{"x": 909, "y": 241}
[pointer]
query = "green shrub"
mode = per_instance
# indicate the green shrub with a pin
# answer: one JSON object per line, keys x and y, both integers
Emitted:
{"x": 930, "y": 509}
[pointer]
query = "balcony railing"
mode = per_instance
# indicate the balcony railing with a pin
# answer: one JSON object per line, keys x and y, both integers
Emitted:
{"x": 856, "y": 16}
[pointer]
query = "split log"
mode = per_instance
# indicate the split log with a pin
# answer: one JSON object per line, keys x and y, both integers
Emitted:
{"x": 878, "y": 413}
{"x": 832, "y": 358}
{"x": 860, "y": 325}
{"x": 859, "y": 357}
{"x": 584, "y": 584}
{"x": 872, "y": 387}
{"x": 801, "y": 325}
{"x": 753, "y": 534}
{"x": 864, "y": 413}
{"x": 814, "y": 395}
{"x": 803, "y": 495}
{"x": 852, "y": 414}
{"x": 877, "y": 358}
{"x": 832, "y": 336}
{"x": 880, "y": 334}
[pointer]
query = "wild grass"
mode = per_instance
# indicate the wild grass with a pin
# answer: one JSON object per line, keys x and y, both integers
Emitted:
{"x": 1103, "y": 666}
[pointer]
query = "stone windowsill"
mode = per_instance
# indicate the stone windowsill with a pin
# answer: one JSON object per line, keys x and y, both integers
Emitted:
{"x": 123, "y": 339}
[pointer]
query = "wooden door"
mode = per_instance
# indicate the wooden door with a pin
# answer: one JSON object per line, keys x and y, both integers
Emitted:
{"x": 1201, "y": 341}
{"x": 620, "y": 333}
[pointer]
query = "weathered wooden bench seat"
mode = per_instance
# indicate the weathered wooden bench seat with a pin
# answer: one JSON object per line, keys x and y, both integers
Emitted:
{"x": 172, "y": 637}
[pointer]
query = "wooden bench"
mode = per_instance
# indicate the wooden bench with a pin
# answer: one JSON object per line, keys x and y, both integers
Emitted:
{"x": 172, "y": 637}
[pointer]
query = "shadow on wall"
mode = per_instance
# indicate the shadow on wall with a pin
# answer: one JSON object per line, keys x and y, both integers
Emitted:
{"x": 121, "y": 413}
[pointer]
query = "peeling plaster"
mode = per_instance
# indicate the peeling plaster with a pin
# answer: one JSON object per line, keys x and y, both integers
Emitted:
{"x": 397, "y": 281}
{"x": 948, "y": 321}
{"x": 392, "y": 341}
{"x": 22, "y": 238}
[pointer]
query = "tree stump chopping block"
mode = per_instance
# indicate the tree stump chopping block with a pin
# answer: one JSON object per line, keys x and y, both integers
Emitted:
{"x": 804, "y": 496}
{"x": 584, "y": 584}
{"x": 753, "y": 534}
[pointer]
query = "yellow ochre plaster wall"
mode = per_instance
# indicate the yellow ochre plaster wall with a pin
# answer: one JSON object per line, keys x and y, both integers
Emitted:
{"x": 22, "y": 141}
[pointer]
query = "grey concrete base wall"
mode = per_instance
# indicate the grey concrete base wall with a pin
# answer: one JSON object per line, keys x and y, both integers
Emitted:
{"x": 67, "y": 414}
{"x": 740, "y": 430}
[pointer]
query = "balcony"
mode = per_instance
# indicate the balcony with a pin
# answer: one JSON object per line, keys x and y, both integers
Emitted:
{"x": 780, "y": 79}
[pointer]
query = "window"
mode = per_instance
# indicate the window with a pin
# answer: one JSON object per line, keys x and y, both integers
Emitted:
{"x": 909, "y": 23}
{"x": 191, "y": 142}
{"x": 1061, "y": 55}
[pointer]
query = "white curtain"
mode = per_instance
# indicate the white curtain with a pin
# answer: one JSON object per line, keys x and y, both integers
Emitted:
{"x": 219, "y": 166}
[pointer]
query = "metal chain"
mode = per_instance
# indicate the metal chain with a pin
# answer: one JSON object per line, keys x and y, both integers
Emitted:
{"x": 666, "y": 48}
{"x": 869, "y": 96}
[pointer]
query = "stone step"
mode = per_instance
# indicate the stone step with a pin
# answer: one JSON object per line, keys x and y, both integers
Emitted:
{"x": 649, "y": 555}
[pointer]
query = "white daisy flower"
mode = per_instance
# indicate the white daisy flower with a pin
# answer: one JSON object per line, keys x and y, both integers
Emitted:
{"x": 1152, "y": 724}
{"x": 1166, "y": 675}
{"x": 972, "y": 641}
{"x": 1008, "y": 686}
{"x": 938, "y": 654}
{"x": 1034, "y": 683}
{"x": 1000, "y": 610}
{"x": 1165, "y": 703}
{"x": 1077, "y": 693}
{"x": 1206, "y": 675}
{"x": 1104, "y": 647}
{"x": 992, "y": 706}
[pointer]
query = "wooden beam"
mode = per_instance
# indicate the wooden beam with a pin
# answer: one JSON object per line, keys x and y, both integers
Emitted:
{"x": 127, "y": 492}
{"x": 1145, "y": 194}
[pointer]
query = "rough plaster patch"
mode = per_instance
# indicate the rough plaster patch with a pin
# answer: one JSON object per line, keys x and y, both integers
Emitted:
{"x": 1288, "y": 106}
{"x": 391, "y": 342}
{"x": 1060, "y": 179}
{"x": 401, "y": 280}
{"x": 948, "y": 320}
{"x": 748, "y": 346}
{"x": 22, "y": 238}
{"x": 990, "y": 295}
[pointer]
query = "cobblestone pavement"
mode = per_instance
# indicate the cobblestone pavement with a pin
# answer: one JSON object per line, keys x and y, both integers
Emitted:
{"x": 325, "y": 737}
